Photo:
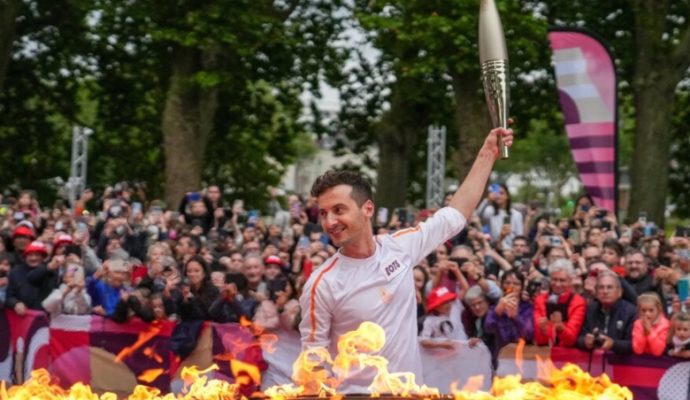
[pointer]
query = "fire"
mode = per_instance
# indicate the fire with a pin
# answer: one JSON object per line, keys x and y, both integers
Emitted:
{"x": 197, "y": 386}
{"x": 315, "y": 372}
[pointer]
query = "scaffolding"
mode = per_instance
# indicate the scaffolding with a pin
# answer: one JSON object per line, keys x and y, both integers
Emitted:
{"x": 436, "y": 166}
{"x": 80, "y": 151}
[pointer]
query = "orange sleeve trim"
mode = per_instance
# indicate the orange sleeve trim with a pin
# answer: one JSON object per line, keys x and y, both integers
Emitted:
{"x": 408, "y": 230}
{"x": 312, "y": 310}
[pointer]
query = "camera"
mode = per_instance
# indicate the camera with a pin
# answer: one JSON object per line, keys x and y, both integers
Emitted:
{"x": 598, "y": 340}
{"x": 554, "y": 241}
{"x": 277, "y": 285}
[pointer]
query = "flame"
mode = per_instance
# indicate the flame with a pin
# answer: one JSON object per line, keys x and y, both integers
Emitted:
{"x": 315, "y": 372}
{"x": 520, "y": 355}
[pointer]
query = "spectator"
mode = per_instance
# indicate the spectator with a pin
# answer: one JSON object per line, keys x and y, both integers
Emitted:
{"x": 197, "y": 211}
{"x": 650, "y": 330}
{"x": 197, "y": 291}
{"x": 254, "y": 269}
{"x": 474, "y": 318}
{"x": 281, "y": 308}
{"x": 638, "y": 274}
{"x": 679, "y": 336}
{"x": 228, "y": 306}
{"x": 187, "y": 247}
{"x": 105, "y": 285}
{"x": 503, "y": 220}
{"x": 70, "y": 298}
{"x": 511, "y": 318}
{"x": 609, "y": 320}
{"x": 443, "y": 325}
{"x": 22, "y": 235}
{"x": 4, "y": 277}
{"x": 23, "y": 293}
{"x": 421, "y": 277}
{"x": 612, "y": 255}
{"x": 560, "y": 313}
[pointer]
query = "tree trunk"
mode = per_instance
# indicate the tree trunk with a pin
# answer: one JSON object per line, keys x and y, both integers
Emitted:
{"x": 650, "y": 163}
{"x": 398, "y": 136}
{"x": 187, "y": 124}
{"x": 658, "y": 69}
{"x": 471, "y": 119}
{"x": 9, "y": 10}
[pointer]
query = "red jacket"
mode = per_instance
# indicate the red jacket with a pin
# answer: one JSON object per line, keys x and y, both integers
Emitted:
{"x": 576, "y": 318}
{"x": 655, "y": 342}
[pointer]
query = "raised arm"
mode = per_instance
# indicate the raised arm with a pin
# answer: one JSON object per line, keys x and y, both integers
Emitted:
{"x": 470, "y": 192}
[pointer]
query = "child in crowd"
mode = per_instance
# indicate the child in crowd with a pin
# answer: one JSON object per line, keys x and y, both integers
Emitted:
{"x": 650, "y": 330}
{"x": 443, "y": 324}
{"x": 70, "y": 297}
{"x": 679, "y": 337}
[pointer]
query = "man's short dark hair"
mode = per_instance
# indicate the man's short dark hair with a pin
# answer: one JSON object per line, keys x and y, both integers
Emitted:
{"x": 194, "y": 241}
{"x": 614, "y": 245}
{"x": 361, "y": 186}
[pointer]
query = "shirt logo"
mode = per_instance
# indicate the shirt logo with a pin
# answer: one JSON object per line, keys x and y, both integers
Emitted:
{"x": 392, "y": 267}
{"x": 386, "y": 297}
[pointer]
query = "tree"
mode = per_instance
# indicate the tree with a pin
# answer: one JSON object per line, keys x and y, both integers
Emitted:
{"x": 429, "y": 48}
{"x": 651, "y": 42}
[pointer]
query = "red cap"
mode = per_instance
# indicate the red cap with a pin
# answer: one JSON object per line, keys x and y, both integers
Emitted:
{"x": 273, "y": 260}
{"x": 36, "y": 247}
{"x": 438, "y": 296}
{"x": 23, "y": 230}
{"x": 62, "y": 238}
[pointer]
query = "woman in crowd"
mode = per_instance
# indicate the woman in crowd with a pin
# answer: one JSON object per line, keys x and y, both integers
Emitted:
{"x": 497, "y": 212}
{"x": 511, "y": 318}
{"x": 196, "y": 290}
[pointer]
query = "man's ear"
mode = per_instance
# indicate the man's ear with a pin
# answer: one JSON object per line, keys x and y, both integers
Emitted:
{"x": 368, "y": 208}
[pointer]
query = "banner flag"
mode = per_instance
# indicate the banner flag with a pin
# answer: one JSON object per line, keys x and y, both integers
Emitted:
{"x": 586, "y": 81}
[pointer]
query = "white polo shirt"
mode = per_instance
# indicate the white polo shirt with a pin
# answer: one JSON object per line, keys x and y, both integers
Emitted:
{"x": 344, "y": 292}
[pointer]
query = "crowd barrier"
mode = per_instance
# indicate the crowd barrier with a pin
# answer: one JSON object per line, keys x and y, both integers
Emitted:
{"x": 115, "y": 357}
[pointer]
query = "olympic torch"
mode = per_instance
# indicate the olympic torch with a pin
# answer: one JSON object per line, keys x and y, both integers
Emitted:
{"x": 493, "y": 57}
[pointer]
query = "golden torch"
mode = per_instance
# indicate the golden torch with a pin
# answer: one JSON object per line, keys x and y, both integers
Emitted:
{"x": 493, "y": 57}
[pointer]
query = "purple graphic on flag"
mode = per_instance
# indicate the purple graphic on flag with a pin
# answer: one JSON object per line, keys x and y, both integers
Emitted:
{"x": 586, "y": 82}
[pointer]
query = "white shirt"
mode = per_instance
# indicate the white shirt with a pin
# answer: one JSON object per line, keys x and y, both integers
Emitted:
{"x": 495, "y": 221}
{"x": 445, "y": 327}
{"x": 344, "y": 292}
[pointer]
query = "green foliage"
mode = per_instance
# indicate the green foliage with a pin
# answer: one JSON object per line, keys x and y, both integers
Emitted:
{"x": 106, "y": 64}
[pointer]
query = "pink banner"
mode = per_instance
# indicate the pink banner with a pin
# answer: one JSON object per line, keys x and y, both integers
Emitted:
{"x": 586, "y": 80}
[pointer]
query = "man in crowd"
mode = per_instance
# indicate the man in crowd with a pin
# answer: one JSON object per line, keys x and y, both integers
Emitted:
{"x": 559, "y": 314}
{"x": 609, "y": 320}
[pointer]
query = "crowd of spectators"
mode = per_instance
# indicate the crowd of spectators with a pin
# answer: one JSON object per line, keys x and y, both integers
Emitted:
{"x": 581, "y": 280}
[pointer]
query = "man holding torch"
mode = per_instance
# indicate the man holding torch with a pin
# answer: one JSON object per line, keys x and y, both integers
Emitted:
{"x": 370, "y": 277}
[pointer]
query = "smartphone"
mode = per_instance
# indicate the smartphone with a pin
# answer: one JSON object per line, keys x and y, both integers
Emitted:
{"x": 136, "y": 208}
{"x": 555, "y": 241}
{"x": 682, "y": 231}
{"x": 506, "y": 220}
{"x": 494, "y": 188}
{"x": 574, "y": 236}
{"x": 642, "y": 217}
{"x": 382, "y": 216}
{"x": 683, "y": 289}
{"x": 252, "y": 217}
{"x": 194, "y": 196}
{"x": 402, "y": 215}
